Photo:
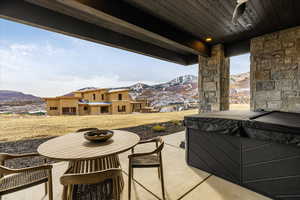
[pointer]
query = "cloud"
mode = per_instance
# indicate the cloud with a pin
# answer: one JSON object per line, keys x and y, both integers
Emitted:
{"x": 45, "y": 63}
{"x": 46, "y": 70}
{"x": 24, "y": 65}
{"x": 240, "y": 64}
{"x": 59, "y": 66}
{"x": 21, "y": 49}
{"x": 62, "y": 84}
{"x": 66, "y": 84}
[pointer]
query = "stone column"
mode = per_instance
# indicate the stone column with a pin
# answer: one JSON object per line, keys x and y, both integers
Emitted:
{"x": 213, "y": 81}
{"x": 275, "y": 71}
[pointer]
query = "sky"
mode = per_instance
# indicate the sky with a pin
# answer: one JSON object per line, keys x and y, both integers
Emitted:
{"x": 44, "y": 63}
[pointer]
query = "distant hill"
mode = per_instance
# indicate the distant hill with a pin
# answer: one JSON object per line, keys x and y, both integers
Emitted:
{"x": 184, "y": 90}
{"x": 240, "y": 88}
{"x": 240, "y": 80}
{"x": 14, "y": 96}
{"x": 181, "y": 90}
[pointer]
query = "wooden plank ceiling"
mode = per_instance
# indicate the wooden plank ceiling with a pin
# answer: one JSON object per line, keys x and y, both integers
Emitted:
{"x": 172, "y": 30}
{"x": 212, "y": 18}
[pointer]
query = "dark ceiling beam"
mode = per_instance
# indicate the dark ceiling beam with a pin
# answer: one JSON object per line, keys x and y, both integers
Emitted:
{"x": 237, "y": 48}
{"x": 123, "y": 18}
{"x": 33, "y": 15}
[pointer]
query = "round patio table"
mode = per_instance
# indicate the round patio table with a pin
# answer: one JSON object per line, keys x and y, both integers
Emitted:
{"x": 85, "y": 156}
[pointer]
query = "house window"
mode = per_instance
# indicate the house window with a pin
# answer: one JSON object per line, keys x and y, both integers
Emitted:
{"x": 104, "y": 109}
{"x": 53, "y": 108}
{"x": 94, "y": 96}
{"x": 102, "y": 96}
{"x": 120, "y": 96}
{"x": 73, "y": 110}
{"x": 69, "y": 110}
{"x": 121, "y": 108}
{"x": 65, "y": 110}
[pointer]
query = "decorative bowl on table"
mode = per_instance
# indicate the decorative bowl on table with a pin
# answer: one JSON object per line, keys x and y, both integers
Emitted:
{"x": 98, "y": 135}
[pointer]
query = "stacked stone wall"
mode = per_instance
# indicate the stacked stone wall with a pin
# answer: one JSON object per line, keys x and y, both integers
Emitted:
{"x": 275, "y": 71}
{"x": 213, "y": 81}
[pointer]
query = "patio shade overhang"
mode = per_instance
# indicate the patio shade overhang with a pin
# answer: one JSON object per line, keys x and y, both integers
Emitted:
{"x": 172, "y": 30}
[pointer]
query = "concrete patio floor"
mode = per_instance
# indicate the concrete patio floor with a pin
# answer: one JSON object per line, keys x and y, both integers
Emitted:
{"x": 181, "y": 181}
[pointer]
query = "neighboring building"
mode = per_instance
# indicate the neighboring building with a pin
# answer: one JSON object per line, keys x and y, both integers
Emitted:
{"x": 95, "y": 102}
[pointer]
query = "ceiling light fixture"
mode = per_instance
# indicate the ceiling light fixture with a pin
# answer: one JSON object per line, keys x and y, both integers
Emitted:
{"x": 208, "y": 39}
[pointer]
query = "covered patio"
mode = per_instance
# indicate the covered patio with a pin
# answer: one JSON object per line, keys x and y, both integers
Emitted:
{"x": 207, "y": 33}
{"x": 182, "y": 182}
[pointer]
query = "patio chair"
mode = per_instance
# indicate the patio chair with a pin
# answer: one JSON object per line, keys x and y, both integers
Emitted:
{"x": 12, "y": 180}
{"x": 99, "y": 185}
{"x": 151, "y": 159}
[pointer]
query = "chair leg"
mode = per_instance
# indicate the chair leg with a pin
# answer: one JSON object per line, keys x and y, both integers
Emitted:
{"x": 132, "y": 172}
{"x": 50, "y": 192}
{"x": 158, "y": 169}
{"x": 129, "y": 180}
{"x": 162, "y": 181}
{"x": 69, "y": 192}
{"x": 46, "y": 188}
{"x": 65, "y": 193}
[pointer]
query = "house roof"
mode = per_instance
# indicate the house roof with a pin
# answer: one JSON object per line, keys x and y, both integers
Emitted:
{"x": 100, "y": 89}
{"x": 61, "y": 97}
{"x": 135, "y": 102}
{"x": 90, "y": 90}
{"x": 118, "y": 90}
{"x": 172, "y": 30}
{"x": 94, "y": 103}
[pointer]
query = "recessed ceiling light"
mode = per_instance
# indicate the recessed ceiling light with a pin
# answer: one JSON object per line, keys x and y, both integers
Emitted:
{"x": 208, "y": 39}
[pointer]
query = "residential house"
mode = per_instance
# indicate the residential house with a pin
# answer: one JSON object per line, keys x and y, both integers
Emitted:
{"x": 95, "y": 102}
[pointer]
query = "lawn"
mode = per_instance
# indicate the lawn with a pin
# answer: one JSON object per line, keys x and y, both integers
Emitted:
{"x": 16, "y": 127}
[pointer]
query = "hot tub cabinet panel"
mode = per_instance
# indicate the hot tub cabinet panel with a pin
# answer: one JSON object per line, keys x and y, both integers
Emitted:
{"x": 206, "y": 151}
{"x": 271, "y": 169}
{"x": 268, "y": 166}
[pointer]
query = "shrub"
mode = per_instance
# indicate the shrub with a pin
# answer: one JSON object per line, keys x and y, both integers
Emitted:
{"x": 159, "y": 128}
{"x": 176, "y": 122}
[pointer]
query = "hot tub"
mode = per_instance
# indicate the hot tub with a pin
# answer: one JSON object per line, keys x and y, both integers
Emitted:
{"x": 258, "y": 150}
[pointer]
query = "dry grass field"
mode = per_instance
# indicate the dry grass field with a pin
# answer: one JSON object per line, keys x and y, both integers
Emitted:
{"x": 16, "y": 127}
{"x": 239, "y": 107}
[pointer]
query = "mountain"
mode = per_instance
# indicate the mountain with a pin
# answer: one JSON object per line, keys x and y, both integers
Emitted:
{"x": 14, "y": 96}
{"x": 180, "y": 90}
{"x": 183, "y": 90}
{"x": 179, "y": 93}
{"x": 240, "y": 88}
{"x": 138, "y": 89}
{"x": 240, "y": 80}
{"x": 187, "y": 79}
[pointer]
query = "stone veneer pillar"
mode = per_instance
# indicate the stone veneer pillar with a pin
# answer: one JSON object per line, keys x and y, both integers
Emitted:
{"x": 275, "y": 71}
{"x": 213, "y": 81}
